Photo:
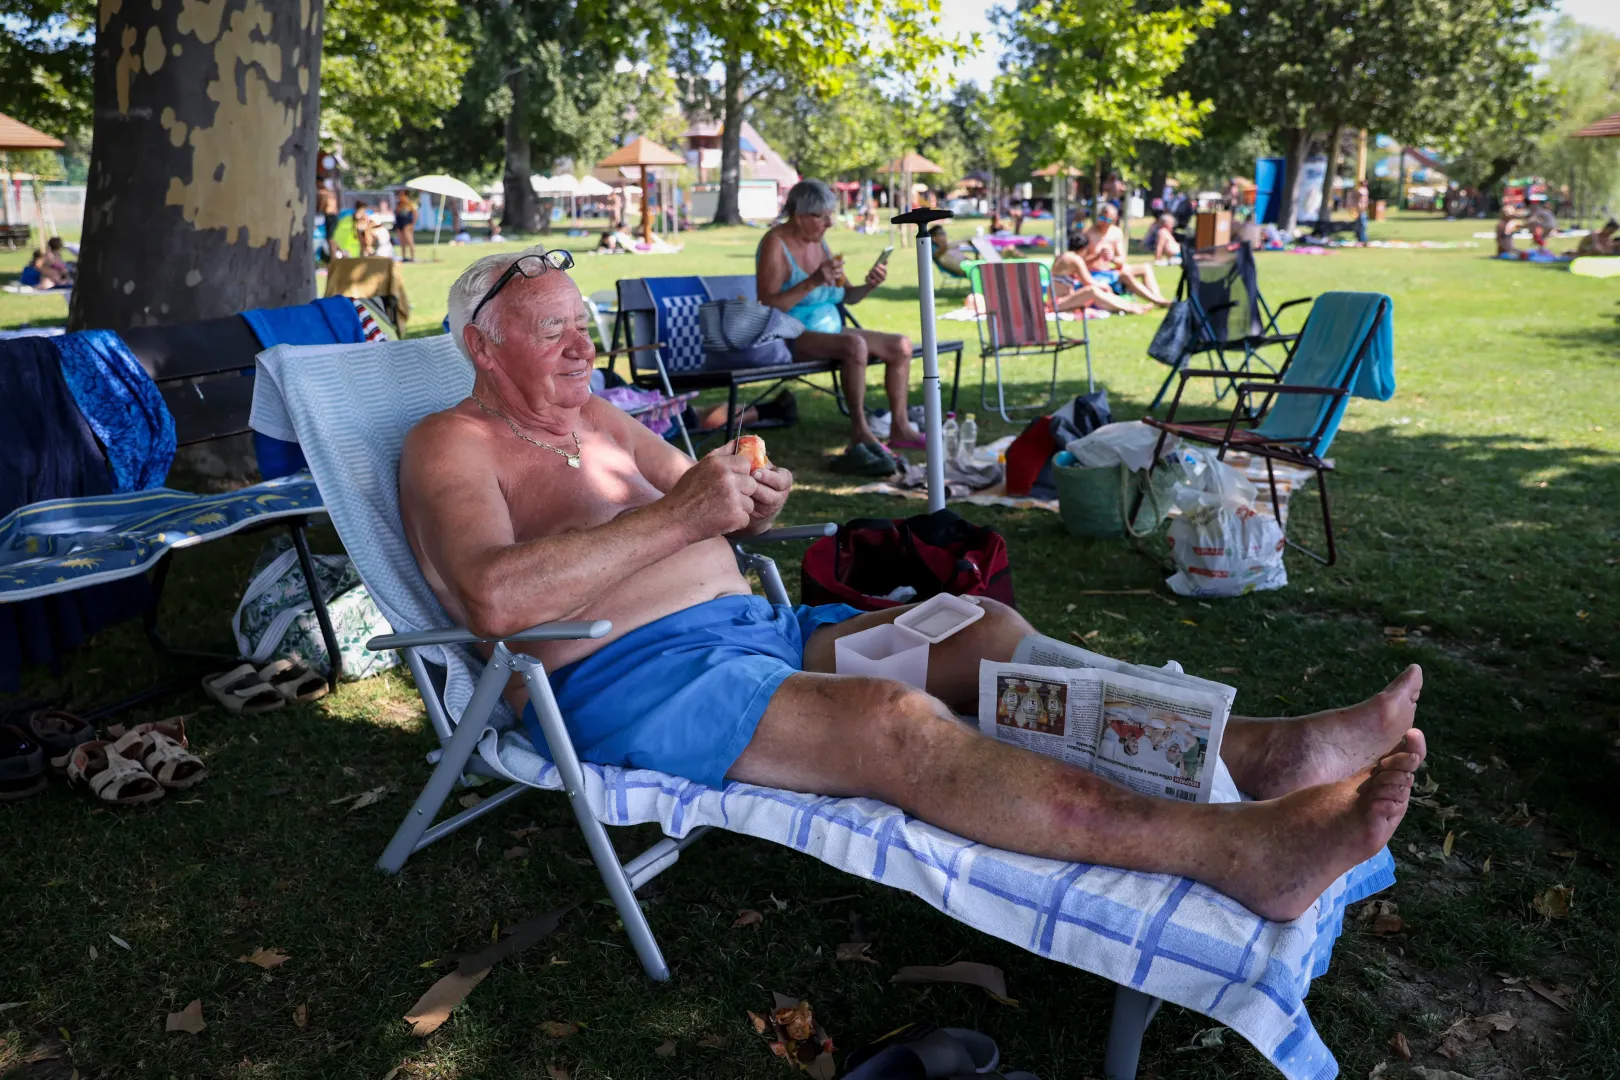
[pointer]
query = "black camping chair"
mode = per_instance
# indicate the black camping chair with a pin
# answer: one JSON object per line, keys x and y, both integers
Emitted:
{"x": 1217, "y": 284}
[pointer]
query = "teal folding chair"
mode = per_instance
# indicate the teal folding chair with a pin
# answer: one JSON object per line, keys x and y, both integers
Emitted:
{"x": 1345, "y": 349}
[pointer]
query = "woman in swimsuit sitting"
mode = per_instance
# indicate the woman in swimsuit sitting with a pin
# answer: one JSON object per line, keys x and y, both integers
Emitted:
{"x": 1105, "y": 258}
{"x": 796, "y": 273}
{"x": 1073, "y": 286}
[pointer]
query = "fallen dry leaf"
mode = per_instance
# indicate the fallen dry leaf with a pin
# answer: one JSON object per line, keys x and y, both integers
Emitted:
{"x": 1500, "y": 1021}
{"x": 470, "y": 800}
{"x": 120, "y": 942}
{"x": 558, "y": 1029}
{"x": 987, "y": 978}
{"x": 1438, "y": 1074}
{"x": 1402, "y": 1048}
{"x": 518, "y": 937}
{"x": 1485, "y": 867}
{"x": 1388, "y": 924}
{"x": 269, "y": 959}
{"x": 665, "y": 1048}
{"x": 1229, "y": 670}
{"x": 523, "y": 833}
{"x": 1557, "y": 994}
{"x": 757, "y": 1021}
{"x": 1113, "y": 615}
{"x": 1445, "y": 848}
{"x": 518, "y": 852}
{"x": 1554, "y": 903}
{"x": 369, "y": 798}
{"x": 557, "y": 1072}
{"x": 747, "y": 917}
{"x": 855, "y": 951}
{"x": 188, "y": 1019}
{"x": 433, "y": 1008}
{"x": 301, "y": 1016}
{"x": 712, "y": 1042}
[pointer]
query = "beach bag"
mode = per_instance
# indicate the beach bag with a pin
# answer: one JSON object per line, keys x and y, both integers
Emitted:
{"x": 1096, "y": 501}
{"x": 276, "y": 619}
{"x": 1174, "y": 337}
{"x": 870, "y": 558}
{"x": 734, "y": 325}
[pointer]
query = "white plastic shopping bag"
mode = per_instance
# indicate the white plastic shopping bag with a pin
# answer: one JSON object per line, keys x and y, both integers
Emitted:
{"x": 1221, "y": 544}
{"x": 1130, "y": 441}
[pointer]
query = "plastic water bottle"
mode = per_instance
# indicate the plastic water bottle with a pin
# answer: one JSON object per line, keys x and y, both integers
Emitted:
{"x": 951, "y": 436}
{"x": 970, "y": 441}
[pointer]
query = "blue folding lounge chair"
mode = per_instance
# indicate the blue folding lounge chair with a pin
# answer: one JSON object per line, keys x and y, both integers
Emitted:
{"x": 1159, "y": 937}
{"x": 1347, "y": 348}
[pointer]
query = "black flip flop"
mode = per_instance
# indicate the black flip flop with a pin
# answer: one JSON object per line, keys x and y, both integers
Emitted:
{"x": 919, "y": 1053}
{"x": 22, "y": 764}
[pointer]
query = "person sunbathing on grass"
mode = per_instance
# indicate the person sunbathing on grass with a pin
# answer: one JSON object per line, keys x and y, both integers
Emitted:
{"x": 1105, "y": 258}
{"x": 1074, "y": 288}
{"x": 533, "y": 501}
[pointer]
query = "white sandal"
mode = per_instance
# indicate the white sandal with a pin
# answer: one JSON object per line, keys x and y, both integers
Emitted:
{"x": 294, "y": 681}
{"x": 242, "y": 691}
{"x": 161, "y": 751}
{"x": 112, "y": 777}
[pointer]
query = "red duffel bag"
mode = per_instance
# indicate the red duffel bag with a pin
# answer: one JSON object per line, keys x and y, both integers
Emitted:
{"x": 933, "y": 553}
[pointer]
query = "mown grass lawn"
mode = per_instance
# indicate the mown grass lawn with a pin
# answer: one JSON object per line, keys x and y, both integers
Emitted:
{"x": 1477, "y": 511}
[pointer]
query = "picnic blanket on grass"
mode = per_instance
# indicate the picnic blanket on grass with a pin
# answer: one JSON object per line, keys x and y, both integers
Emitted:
{"x": 1167, "y": 936}
{"x": 64, "y": 544}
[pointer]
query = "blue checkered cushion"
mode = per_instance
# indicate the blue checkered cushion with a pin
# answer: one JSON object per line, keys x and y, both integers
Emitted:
{"x": 676, "y": 301}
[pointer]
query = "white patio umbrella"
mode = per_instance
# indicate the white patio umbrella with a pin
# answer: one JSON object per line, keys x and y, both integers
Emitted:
{"x": 447, "y": 187}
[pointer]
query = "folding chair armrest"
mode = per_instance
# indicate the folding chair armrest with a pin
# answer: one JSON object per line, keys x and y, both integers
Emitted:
{"x": 1201, "y": 373}
{"x": 1283, "y": 388}
{"x": 460, "y": 635}
{"x": 1286, "y": 304}
{"x": 794, "y": 532}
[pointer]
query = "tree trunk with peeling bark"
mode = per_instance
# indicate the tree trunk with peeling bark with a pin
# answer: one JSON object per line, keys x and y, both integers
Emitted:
{"x": 201, "y": 191}
{"x": 1335, "y": 137}
{"x": 728, "y": 209}
{"x": 522, "y": 212}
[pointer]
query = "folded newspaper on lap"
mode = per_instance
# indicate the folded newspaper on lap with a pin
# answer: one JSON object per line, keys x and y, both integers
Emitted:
{"x": 1156, "y": 731}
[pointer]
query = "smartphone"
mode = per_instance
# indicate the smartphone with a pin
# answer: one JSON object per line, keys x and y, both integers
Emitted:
{"x": 884, "y": 257}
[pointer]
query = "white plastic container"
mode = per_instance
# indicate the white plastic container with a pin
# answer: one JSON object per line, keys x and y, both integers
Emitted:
{"x": 940, "y": 616}
{"x": 885, "y": 652}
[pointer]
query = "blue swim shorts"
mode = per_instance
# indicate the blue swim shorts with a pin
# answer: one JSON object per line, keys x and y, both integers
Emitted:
{"x": 683, "y": 695}
{"x": 1109, "y": 278}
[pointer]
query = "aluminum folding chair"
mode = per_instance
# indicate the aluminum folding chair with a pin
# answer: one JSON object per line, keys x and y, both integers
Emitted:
{"x": 1012, "y": 295}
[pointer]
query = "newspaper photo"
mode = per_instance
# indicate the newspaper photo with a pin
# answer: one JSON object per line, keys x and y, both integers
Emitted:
{"x": 1153, "y": 730}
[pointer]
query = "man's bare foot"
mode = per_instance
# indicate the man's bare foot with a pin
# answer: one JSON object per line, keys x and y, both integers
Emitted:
{"x": 1307, "y": 839}
{"x": 1271, "y": 758}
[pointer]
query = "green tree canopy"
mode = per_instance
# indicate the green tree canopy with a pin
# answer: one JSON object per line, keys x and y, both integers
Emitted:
{"x": 1091, "y": 77}
{"x": 45, "y": 55}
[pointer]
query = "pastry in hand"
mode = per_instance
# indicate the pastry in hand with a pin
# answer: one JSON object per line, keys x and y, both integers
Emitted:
{"x": 753, "y": 448}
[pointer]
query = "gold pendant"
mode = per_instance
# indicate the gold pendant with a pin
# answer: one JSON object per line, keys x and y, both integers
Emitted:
{"x": 573, "y": 460}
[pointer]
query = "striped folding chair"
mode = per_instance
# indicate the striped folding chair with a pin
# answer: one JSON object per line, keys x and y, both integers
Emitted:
{"x": 1011, "y": 295}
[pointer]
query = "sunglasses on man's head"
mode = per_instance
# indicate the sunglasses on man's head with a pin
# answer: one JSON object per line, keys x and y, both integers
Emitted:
{"x": 530, "y": 266}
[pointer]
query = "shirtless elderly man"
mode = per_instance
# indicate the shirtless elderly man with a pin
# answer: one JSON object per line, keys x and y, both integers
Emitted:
{"x": 534, "y": 501}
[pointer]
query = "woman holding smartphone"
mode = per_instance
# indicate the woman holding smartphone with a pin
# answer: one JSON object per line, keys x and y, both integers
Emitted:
{"x": 796, "y": 273}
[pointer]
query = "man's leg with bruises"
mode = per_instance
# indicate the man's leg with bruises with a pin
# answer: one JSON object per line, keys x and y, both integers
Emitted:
{"x": 874, "y": 738}
{"x": 1267, "y": 757}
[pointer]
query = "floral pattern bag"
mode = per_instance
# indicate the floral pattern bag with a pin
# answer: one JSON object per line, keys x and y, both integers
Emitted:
{"x": 276, "y": 619}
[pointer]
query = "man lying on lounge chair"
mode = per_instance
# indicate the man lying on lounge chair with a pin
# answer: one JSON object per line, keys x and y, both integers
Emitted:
{"x": 533, "y": 501}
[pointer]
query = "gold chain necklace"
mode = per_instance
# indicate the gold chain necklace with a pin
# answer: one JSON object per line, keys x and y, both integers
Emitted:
{"x": 572, "y": 459}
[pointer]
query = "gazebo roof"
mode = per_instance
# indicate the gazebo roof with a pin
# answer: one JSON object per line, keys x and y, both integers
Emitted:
{"x": 642, "y": 151}
{"x": 16, "y": 135}
{"x": 913, "y": 162}
{"x": 1052, "y": 170}
{"x": 1606, "y": 128}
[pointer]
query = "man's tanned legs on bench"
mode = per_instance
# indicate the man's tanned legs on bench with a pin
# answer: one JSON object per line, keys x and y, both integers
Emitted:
{"x": 1335, "y": 783}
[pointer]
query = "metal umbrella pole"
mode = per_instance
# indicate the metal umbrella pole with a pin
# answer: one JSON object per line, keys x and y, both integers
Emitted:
{"x": 933, "y": 413}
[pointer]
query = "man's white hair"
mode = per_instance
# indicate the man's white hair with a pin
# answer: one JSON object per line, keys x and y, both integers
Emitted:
{"x": 470, "y": 288}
